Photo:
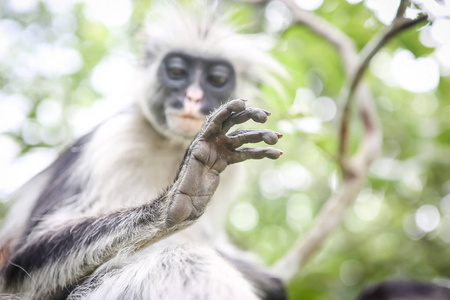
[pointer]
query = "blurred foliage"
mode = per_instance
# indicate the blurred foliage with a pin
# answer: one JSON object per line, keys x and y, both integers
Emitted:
{"x": 379, "y": 237}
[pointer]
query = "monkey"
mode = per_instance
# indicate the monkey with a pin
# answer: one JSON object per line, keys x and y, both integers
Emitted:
{"x": 126, "y": 212}
{"x": 404, "y": 290}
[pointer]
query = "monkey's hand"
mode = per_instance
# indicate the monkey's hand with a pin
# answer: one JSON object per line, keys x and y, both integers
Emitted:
{"x": 211, "y": 152}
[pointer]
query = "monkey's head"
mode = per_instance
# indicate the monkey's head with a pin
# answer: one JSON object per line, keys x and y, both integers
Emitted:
{"x": 196, "y": 61}
{"x": 193, "y": 84}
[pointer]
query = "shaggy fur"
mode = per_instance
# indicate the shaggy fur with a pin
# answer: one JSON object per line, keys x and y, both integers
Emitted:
{"x": 97, "y": 223}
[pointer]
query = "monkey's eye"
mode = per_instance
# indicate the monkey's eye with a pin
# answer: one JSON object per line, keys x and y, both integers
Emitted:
{"x": 217, "y": 80}
{"x": 177, "y": 68}
{"x": 218, "y": 75}
{"x": 177, "y": 73}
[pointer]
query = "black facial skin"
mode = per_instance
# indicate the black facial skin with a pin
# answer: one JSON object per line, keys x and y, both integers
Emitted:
{"x": 180, "y": 69}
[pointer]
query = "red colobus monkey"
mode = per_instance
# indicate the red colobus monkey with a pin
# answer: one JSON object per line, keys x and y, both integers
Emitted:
{"x": 126, "y": 211}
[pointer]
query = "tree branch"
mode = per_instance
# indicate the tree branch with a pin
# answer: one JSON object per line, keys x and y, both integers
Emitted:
{"x": 343, "y": 43}
{"x": 368, "y": 52}
{"x": 354, "y": 168}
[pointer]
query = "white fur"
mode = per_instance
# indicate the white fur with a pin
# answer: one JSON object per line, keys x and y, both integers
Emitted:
{"x": 129, "y": 144}
{"x": 170, "y": 272}
{"x": 22, "y": 203}
{"x": 204, "y": 30}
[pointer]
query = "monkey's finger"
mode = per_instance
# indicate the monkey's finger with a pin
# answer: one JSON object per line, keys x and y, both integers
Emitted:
{"x": 256, "y": 114}
{"x": 240, "y": 137}
{"x": 215, "y": 121}
{"x": 242, "y": 154}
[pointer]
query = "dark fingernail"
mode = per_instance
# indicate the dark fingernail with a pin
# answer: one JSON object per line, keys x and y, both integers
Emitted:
{"x": 281, "y": 152}
{"x": 245, "y": 100}
{"x": 267, "y": 112}
{"x": 279, "y": 135}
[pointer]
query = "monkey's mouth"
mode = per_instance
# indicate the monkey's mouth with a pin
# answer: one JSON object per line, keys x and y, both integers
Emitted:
{"x": 191, "y": 117}
{"x": 186, "y": 124}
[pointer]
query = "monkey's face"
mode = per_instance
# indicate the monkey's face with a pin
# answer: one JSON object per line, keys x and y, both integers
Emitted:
{"x": 193, "y": 85}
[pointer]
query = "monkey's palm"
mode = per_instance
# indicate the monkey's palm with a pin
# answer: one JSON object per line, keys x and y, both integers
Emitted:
{"x": 212, "y": 151}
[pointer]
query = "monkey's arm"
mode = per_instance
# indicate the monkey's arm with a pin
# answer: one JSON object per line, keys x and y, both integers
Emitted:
{"x": 52, "y": 258}
{"x": 211, "y": 152}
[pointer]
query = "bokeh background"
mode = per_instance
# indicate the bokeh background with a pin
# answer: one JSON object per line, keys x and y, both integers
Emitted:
{"x": 67, "y": 65}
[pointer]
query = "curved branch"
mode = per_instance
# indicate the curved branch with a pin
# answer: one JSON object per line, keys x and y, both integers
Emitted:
{"x": 368, "y": 52}
{"x": 342, "y": 42}
{"x": 354, "y": 169}
{"x": 378, "y": 42}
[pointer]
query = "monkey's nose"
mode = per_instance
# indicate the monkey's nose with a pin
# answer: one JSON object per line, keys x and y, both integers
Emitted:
{"x": 194, "y": 94}
{"x": 193, "y": 99}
